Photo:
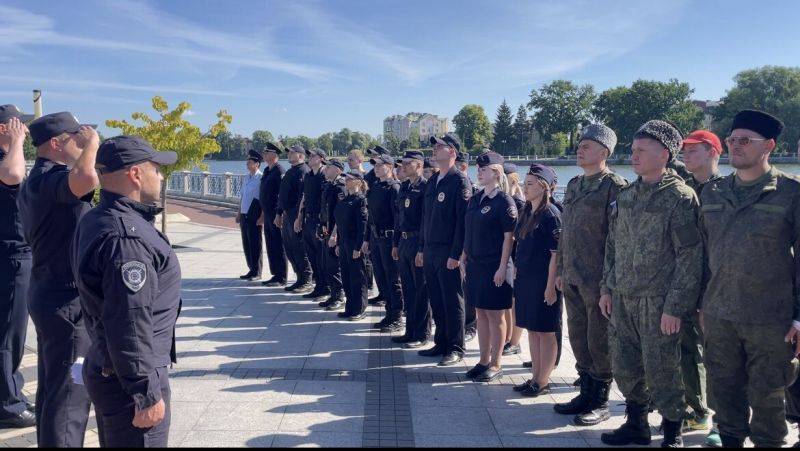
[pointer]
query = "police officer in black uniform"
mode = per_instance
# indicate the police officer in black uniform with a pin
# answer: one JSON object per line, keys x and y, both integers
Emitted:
{"x": 15, "y": 273}
{"x": 308, "y": 221}
{"x": 379, "y": 300}
{"x": 332, "y": 192}
{"x": 441, "y": 243}
{"x": 351, "y": 225}
{"x": 382, "y": 205}
{"x": 470, "y": 314}
{"x": 130, "y": 284}
{"x": 52, "y": 200}
{"x": 291, "y": 192}
{"x": 404, "y": 252}
{"x": 268, "y": 196}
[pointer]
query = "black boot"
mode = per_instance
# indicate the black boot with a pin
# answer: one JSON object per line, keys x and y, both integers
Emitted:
{"x": 672, "y": 434}
{"x": 636, "y": 430}
{"x": 579, "y": 403}
{"x": 597, "y": 410}
{"x": 731, "y": 442}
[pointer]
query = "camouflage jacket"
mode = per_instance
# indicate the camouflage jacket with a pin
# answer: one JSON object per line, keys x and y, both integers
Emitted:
{"x": 698, "y": 187}
{"x": 585, "y": 227}
{"x": 654, "y": 247}
{"x": 753, "y": 270}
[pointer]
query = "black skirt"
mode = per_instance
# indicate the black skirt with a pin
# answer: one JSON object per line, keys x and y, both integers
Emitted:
{"x": 531, "y": 312}
{"x": 480, "y": 289}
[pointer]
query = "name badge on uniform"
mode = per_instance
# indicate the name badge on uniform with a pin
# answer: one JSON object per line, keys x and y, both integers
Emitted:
{"x": 134, "y": 275}
{"x": 485, "y": 209}
{"x": 408, "y": 202}
{"x": 441, "y": 197}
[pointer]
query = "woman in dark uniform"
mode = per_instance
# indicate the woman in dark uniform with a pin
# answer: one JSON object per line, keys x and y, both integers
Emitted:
{"x": 538, "y": 306}
{"x": 488, "y": 238}
{"x": 513, "y": 333}
{"x": 351, "y": 222}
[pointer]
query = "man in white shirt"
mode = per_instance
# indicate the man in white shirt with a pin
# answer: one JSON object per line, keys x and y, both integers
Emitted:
{"x": 249, "y": 214}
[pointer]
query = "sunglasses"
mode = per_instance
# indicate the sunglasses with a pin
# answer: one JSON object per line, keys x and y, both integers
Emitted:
{"x": 741, "y": 140}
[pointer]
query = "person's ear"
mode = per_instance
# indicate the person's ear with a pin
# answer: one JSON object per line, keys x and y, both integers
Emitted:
{"x": 135, "y": 175}
{"x": 771, "y": 144}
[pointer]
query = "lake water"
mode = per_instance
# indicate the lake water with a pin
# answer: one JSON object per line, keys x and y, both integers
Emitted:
{"x": 565, "y": 173}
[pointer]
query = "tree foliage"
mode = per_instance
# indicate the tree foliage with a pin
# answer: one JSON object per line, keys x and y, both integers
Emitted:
{"x": 503, "y": 140}
{"x": 473, "y": 127}
{"x": 558, "y": 107}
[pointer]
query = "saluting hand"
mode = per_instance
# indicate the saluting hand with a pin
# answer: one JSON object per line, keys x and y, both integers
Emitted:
{"x": 15, "y": 129}
{"x": 605, "y": 305}
{"x": 87, "y": 137}
{"x": 150, "y": 416}
{"x": 793, "y": 336}
{"x": 670, "y": 324}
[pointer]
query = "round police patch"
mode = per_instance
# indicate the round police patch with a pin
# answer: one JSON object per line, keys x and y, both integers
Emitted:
{"x": 408, "y": 203}
{"x": 134, "y": 275}
{"x": 485, "y": 209}
{"x": 512, "y": 212}
{"x": 440, "y": 198}
{"x": 341, "y": 196}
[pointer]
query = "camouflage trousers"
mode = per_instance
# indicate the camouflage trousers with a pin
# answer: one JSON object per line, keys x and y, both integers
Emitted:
{"x": 588, "y": 331}
{"x": 749, "y": 367}
{"x": 646, "y": 362}
{"x": 693, "y": 367}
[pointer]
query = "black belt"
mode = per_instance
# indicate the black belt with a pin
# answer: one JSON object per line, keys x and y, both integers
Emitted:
{"x": 383, "y": 233}
{"x": 407, "y": 235}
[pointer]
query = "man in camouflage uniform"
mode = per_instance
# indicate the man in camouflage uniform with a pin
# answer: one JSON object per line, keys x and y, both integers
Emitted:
{"x": 587, "y": 205}
{"x": 701, "y": 152}
{"x": 653, "y": 269}
{"x": 751, "y": 225}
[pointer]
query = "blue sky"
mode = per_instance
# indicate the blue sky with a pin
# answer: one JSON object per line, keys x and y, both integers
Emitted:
{"x": 295, "y": 67}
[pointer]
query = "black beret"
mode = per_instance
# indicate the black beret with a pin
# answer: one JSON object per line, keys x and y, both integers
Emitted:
{"x": 447, "y": 140}
{"x": 543, "y": 172}
{"x": 255, "y": 156}
{"x": 488, "y": 158}
{"x": 8, "y": 112}
{"x": 765, "y": 124}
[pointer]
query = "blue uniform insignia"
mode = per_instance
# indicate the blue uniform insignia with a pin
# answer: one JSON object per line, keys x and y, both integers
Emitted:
{"x": 134, "y": 275}
{"x": 485, "y": 209}
{"x": 441, "y": 197}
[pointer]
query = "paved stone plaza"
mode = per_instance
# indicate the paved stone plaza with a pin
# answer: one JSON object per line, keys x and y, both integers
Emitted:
{"x": 260, "y": 368}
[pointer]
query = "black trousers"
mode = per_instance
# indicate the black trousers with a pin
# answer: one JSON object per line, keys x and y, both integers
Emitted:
{"x": 251, "y": 243}
{"x": 333, "y": 272}
{"x": 295, "y": 250}
{"x": 354, "y": 279}
{"x": 115, "y": 410}
{"x": 276, "y": 256}
{"x": 313, "y": 246}
{"x": 470, "y": 314}
{"x": 415, "y": 292}
{"x": 387, "y": 276}
{"x": 447, "y": 300}
{"x": 62, "y": 407}
{"x": 15, "y": 274}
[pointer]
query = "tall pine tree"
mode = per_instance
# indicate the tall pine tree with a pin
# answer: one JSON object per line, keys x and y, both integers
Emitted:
{"x": 521, "y": 131}
{"x": 503, "y": 131}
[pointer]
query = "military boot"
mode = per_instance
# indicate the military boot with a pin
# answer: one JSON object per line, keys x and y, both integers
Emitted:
{"x": 636, "y": 430}
{"x": 672, "y": 434}
{"x": 579, "y": 403}
{"x": 597, "y": 410}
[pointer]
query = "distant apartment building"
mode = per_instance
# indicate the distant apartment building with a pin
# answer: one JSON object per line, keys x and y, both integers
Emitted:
{"x": 708, "y": 110}
{"x": 425, "y": 124}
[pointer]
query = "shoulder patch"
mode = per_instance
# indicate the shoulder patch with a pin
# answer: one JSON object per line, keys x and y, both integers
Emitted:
{"x": 134, "y": 275}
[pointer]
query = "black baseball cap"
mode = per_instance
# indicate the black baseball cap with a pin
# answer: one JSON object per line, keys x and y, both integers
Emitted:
{"x": 354, "y": 175}
{"x": 382, "y": 159}
{"x": 378, "y": 150}
{"x": 319, "y": 152}
{"x": 122, "y": 151}
{"x": 274, "y": 146}
{"x": 414, "y": 155}
{"x": 462, "y": 157}
{"x": 52, "y": 125}
{"x": 447, "y": 140}
{"x": 336, "y": 163}
{"x": 8, "y": 112}
{"x": 296, "y": 148}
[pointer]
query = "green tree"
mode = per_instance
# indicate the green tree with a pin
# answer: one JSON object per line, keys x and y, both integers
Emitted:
{"x": 559, "y": 107}
{"x": 773, "y": 89}
{"x": 260, "y": 139}
{"x": 28, "y": 150}
{"x": 342, "y": 141}
{"x": 170, "y": 131}
{"x": 473, "y": 127}
{"x": 392, "y": 143}
{"x": 503, "y": 129}
{"x": 413, "y": 139}
{"x": 325, "y": 142}
{"x": 521, "y": 131}
{"x": 625, "y": 109}
{"x": 306, "y": 142}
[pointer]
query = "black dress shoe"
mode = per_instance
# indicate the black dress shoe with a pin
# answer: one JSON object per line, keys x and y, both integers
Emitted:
{"x": 336, "y": 305}
{"x": 535, "y": 390}
{"x": 245, "y": 276}
{"x": 524, "y": 386}
{"x": 303, "y": 287}
{"x": 358, "y": 317}
{"x": 476, "y": 370}
{"x": 489, "y": 375}
{"x": 381, "y": 324}
{"x": 415, "y": 344}
{"x": 291, "y": 287}
{"x": 343, "y": 315}
{"x": 30, "y": 407}
{"x": 254, "y": 277}
{"x": 432, "y": 352}
{"x": 469, "y": 336}
{"x": 510, "y": 349}
{"x": 450, "y": 359}
{"x": 274, "y": 282}
{"x": 393, "y": 326}
{"x": 402, "y": 339}
{"x": 528, "y": 364}
{"x": 26, "y": 419}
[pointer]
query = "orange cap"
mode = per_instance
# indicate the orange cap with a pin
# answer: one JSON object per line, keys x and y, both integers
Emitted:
{"x": 704, "y": 136}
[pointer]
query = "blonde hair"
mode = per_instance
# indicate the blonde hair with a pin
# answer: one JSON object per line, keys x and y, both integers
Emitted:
{"x": 502, "y": 180}
{"x": 361, "y": 187}
{"x": 358, "y": 153}
{"x": 513, "y": 184}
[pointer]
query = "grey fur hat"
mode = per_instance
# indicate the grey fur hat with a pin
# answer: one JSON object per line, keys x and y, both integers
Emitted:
{"x": 600, "y": 134}
{"x": 664, "y": 132}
